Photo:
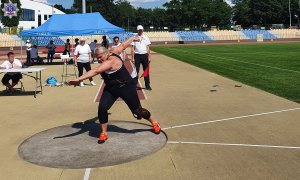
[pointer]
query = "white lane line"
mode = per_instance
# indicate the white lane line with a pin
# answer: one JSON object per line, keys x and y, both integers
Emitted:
{"x": 230, "y": 59}
{"x": 232, "y": 118}
{"x": 87, "y": 174}
{"x": 144, "y": 93}
{"x": 95, "y": 99}
{"x": 243, "y": 145}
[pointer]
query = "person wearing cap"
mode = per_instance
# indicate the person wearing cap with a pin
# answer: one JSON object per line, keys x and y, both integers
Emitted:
{"x": 51, "y": 51}
{"x": 83, "y": 59}
{"x": 28, "y": 49}
{"x": 140, "y": 54}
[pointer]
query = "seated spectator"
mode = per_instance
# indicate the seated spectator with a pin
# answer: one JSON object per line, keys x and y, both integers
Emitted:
{"x": 11, "y": 63}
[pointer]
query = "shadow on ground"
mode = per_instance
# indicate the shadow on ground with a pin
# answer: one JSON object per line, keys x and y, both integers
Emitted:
{"x": 93, "y": 129}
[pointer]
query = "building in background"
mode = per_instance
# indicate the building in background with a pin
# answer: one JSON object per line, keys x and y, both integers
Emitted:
{"x": 35, "y": 13}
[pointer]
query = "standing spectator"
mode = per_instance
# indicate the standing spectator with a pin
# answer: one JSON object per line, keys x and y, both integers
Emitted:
{"x": 93, "y": 47}
{"x": 140, "y": 54}
{"x": 105, "y": 42}
{"x": 51, "y": 51}
{"x": 76, "y": 42}
{"x": 28, "y": 48}
{"x": 34, "y": 54}
{"x": 116, "y": 43}
{"x": 11, "y": 63}
{"x": 83, "y": 59}
{"x": 67, "y": 47}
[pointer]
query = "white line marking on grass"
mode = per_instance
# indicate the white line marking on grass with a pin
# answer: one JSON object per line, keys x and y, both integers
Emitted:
{"x": 230, "y": 59}
{"x": 226, "y": 144}
{"x": 87, "y": 174}
{"x": 232, "y": 118}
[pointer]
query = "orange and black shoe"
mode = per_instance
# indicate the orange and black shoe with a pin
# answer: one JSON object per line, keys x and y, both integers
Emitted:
{"x": 103, "y": 137}
{"x": 156, "y": 128}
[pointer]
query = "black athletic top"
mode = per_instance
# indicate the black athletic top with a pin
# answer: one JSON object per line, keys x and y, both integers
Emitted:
{"x": 119, "y": 78}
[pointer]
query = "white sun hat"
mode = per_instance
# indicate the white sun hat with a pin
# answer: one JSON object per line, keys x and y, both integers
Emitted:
{"x": 140, "y": 27}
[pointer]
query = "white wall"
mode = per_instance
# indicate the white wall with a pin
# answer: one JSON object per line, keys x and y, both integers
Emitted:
{"x": 40, "y": 9}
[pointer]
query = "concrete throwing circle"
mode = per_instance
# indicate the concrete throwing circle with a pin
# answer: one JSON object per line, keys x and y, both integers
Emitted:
{"x": 75, "y": 146}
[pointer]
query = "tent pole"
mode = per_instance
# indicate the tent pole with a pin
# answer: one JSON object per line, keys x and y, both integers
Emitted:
{"x": 21, "y": 48}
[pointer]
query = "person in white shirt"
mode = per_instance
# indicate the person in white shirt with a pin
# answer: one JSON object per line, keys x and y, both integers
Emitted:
{"x": 28, "y": 49}
{"x": 140, "y": 54}
{"x": 83, "y": 59}
{"x": 11, "y": 63}
{"x": 117, "y": 43}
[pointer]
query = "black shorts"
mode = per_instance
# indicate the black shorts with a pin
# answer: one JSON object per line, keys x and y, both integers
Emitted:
{"x": 15, "y": 78}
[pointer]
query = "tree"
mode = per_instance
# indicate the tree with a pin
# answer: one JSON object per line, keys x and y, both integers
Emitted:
{"x": 13, "y": 21}
{"x": 221, "y": 14}
{"x": 159, "y": 18}
{"x": 107, "y": 8}
{"x": 126, "y": 14}
{"x": 60, "y": 7}
{"x": 265, "y": 13}
{"x": 196, "y": 13}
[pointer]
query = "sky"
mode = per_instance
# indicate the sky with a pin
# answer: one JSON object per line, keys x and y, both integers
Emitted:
{"x": 136, "y": 3}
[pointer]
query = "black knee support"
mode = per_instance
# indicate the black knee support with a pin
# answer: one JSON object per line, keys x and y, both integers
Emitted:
{"x": 103, "y": 117}
{"x": 142, "y": 113}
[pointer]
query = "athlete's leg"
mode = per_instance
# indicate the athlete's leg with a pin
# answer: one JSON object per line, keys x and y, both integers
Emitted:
{"x": 129, "y": 95}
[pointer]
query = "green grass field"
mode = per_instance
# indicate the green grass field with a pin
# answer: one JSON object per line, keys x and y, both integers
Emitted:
{"x": 274, "y": 68}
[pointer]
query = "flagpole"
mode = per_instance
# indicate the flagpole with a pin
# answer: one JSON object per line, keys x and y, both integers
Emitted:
{"x": 290, "y": 13}
{"x": 83, "y": 7}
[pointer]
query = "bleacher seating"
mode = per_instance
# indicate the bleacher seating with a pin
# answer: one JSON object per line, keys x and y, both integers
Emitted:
{"x": 226, "y": 35}
{"x": 252, "y": 34}
{"x": 43, "y": 41}
{"x": 286, "y": 33}
{"x": 7, "y": 40}
{"x": 162, "y": 36}
{"x": 122, "y": 37}
{"x": 193, "y": 36}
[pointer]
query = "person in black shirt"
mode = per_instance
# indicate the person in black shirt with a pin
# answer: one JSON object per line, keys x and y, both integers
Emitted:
{"x": 104, "y": 42}
{"x": 67, "y": 47}
{"x": 119, "y": 83}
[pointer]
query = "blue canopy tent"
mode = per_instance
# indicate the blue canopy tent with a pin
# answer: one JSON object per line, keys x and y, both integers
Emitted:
{"x": 74, "y": 25}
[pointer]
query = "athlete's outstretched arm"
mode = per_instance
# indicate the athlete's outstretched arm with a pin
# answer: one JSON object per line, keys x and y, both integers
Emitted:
{"x": 124, "y": 45}
{"x": 97, "y": 70}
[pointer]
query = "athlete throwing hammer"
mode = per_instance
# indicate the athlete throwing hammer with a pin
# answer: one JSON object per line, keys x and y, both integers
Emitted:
{"x": 119, "y": 83}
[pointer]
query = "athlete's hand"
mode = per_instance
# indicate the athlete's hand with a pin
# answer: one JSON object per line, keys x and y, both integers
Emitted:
{"x": 136, "y": 39}
{"x": 75, "y": 82}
